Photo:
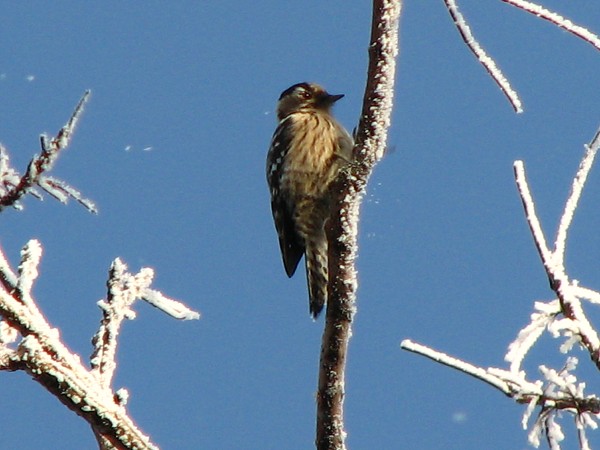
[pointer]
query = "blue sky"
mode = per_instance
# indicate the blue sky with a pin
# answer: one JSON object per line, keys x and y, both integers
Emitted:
{"x": 445, "y": 259}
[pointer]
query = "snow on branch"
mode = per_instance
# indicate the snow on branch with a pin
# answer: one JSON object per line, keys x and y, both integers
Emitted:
{"x": 40, "y": 352}
{"x": 13, "y": 186}
{"x": 563, "y": 318}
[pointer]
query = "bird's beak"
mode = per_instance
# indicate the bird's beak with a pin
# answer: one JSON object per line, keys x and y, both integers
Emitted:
{"x": 326, "y": 100}
{"x": 331, "y": 99}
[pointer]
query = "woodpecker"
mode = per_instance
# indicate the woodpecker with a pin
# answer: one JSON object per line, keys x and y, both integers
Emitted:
{"x": 308, "y": 149}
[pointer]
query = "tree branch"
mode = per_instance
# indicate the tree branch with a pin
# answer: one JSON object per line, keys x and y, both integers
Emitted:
{"x": 342, "y": 227}
{"x": 567, "y": 291}
{"x": 512, "y": 384}
{"x": 556, "y": 19}
{"x": 13, "y": 187}
{"x": 488, "y": 62}
{"x": 47, "y": 360}
{"x": 562, "y": 317}
{"x": 484, "y": 59}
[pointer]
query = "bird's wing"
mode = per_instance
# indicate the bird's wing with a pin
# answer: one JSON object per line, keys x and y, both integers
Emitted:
{"x": 292, "y": 247}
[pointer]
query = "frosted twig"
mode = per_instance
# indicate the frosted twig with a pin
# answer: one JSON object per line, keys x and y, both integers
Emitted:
{"x": 455, "y": 363}
{"x": 13, "y": 187}
{"x": 586, "y": 293}
{"x": 563, "y": 385}
{"x": 123, "y": 289}
{"x": 528, "y": 336}
{"x": 530, "y": 214}
{"x": 50, "y": 363}
{"x": 9, "y": 178}
{"x": 490, "y": 65}
{"x": 42, "y": 355}
{"x": 62, "y": 192}
{"x": 566, "y": 290}
{"x": 64, "y": 135}
{"x": 28, "y": 269}
{"x": 4, "y": 166}
{"x": 168, "y": 305}
{"x": 571, "y": 205}
{"x": 583, "y": 421}
{"x": 578, "y": 323}
{"x": 7, "y": 277}
{"x": 556, "y": 19}
{"x": 8, "y": 334}
{"x": 563, "y": 317}
{"x": 558, "y": 392}
{"x": 484, "y": 59}
{"x": 122, "y": 292}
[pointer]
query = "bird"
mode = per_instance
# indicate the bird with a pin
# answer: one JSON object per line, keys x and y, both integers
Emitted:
{"x": 308, "y": 149}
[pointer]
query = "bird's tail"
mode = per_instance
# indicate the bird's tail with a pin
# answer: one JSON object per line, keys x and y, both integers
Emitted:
{"x": 316, "y": 275}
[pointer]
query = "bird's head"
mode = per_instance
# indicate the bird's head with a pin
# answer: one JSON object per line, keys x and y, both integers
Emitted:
{"x": 304, "y": 96}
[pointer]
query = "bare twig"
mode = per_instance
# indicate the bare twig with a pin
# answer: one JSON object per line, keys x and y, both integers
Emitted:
{"x": 342, "y": 226}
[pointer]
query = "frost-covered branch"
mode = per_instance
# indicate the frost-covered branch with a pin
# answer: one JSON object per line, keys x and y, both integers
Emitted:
{"x": 13, "y": 186}
{"x": 556, "y": 19}
{"x": 575, "y": 324}
{"x": 490, "y": 65}
{"x": 123, "y": 289}
{"x": 563, "y": 317}
{"x": 40, "y": 352}
{"x": 342, "y": 226}
{"x": 530, "y": 214}
{"x": 485, "y": 60}
{"x": 490, "y": 375}
{"x": 573, "y": 200}
{"x": 558, "y": 391}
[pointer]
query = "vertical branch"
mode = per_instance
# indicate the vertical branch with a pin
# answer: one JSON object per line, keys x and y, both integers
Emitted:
{"x": 115, "y": 309}
{"x": 342, "y": 228}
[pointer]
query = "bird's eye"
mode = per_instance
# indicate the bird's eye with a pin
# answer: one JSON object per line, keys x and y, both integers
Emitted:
{"x": 305, "y": 94}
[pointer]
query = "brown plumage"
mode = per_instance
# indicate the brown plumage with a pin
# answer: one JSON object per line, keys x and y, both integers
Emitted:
{"x": 308, "y": 149}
